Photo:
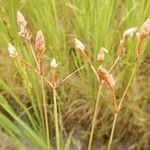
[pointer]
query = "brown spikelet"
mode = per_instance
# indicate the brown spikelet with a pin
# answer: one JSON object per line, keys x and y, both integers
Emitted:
{"x": 144, "y": 32}
{"x": 21, "y": 22}
{"x": 40, "y": 47}
{"x": 12, "y": 50}
{"x": 101, "y": 55}
{"x": 79, "y": 45}
{"x": 122, "y": 45}
{"x": 128, "y": 33}
{"x": 109, "y": 80}
{"x": 40, "y": 42}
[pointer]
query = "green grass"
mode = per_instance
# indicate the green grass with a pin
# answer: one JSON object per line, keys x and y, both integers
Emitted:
{"x": 96, "y": 23}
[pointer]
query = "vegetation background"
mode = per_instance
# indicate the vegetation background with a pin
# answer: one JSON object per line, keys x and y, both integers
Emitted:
{"x": 96, "y": 23}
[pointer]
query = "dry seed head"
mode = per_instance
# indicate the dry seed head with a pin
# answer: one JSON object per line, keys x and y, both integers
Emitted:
{"x": 129, "y": 32}
{"x": 144, "y": 31}
{"x": 53, "y": 63}
{"x": 145, "y": 28}
{"x": 21, "y": 22}
{"x": 79, "y": 45}
{"x": 106, "y": 77}
{"x": 103, "y": 74}
{"x": 12, "y": 50}
{"x": 109, "y": 80}
{"x": 40, "y": 42}
{"x": 101, "y": 54}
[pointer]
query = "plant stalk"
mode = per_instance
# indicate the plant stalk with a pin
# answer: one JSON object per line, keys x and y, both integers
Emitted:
{"x": 119, "y": 107}
{"x": 94, "y": 118}
{"x": 56, "y": 119}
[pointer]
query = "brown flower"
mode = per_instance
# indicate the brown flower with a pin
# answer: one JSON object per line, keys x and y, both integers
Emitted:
{"x": 12, "y": 50}
{"x": 128, "y": 33}
{"x": 101, "y": 54}
{"x": 144, "y": 32}
{"x": 40, "y": 42}
{"x": 105, "y": 77}
{"x": 145, "y": 28}
{"x": 21, "y": 22}
{"x": 81, "y": 47}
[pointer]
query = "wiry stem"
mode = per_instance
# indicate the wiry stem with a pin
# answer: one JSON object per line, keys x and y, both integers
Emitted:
{"x": 94, "y": 118}
{"x": 32, "y": 68}
{"x": 70, "y": 75}
{"x": 44, "y": 99}
{"x": 56, "y": 119}
{"x": 119, "y": 107}
{"x": 95, "y": 72}
{"x": 43, "y": 94}
{"x": 34, "y": 56}
{"x": 114, "y": 64}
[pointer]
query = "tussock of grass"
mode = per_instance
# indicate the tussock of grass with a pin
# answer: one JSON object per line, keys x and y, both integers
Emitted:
{"x": 97, "y": 23}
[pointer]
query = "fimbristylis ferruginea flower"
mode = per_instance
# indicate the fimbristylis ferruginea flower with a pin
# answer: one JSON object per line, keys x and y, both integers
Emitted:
{"x": 128, "y": 33}
{"x": 12, "y": 50}
{"x": 81, "y": 47}
{"x": 105, "y": 77}
{"x": 53, "y": 65}
{"x": 40, "y": 47}
{"x": 144, "y": 32}
{"x": 22, "y": 23}
{"x": 101, "y": 54}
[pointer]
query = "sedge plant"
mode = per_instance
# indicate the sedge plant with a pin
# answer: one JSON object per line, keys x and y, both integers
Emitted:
{"x": 144, "y": 32}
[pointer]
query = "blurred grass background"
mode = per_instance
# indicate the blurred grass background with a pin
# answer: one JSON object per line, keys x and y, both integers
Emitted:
{"x": 96, "y": 23}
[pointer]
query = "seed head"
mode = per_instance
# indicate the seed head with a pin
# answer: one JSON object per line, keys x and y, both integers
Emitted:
{"x": 129, "y": 32}
{"x": 145, "y": 28}
{"x": 144, "y": 32}
{"x": 53, "y": 63}
{"x": 21, "y": 22}
{"x": 109, "y": 80}
{"x": 79, "y": 45}
{"x": 123, "y": 41}
{"x": 106, "y": 77}
{"x": 12, "y": 50}
{"x": 40, "y": 42}
{"x": 101, "y": 54}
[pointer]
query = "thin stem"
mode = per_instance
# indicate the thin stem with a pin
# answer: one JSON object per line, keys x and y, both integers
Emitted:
{"x": 45, "y": 113}
{"x": 43, "y": 94}
{"x": 119, "y": 107}
{"x": 95, "y": 72}
{"x": 32, "y": 68}
{"x": 70, "y": 75}
{"x": 94, "y": 118}
{"x": 56, "y": 119}
{"x": 41, "y": 70}
{"x": 114, "y": 64}
{"x": 34, "y": 56}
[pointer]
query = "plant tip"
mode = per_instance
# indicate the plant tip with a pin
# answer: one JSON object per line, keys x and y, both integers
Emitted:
{"x": 130, "y": 32}
{"x": 12, "y": 50}
{"x": 53, "y": 63}
{"x": 145, "y": 28}
{"x": 40, "y": 42}
{"x": 21, "y": 22}
{"x": 79, "y": 45}
{"x": 101, "y": 54}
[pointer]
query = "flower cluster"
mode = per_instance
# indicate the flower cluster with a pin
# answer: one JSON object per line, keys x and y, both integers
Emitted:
{"x": 40, "y": 42}
{"x": 101, "y": 54}
{"x": 144, "y": 32}
{"x": 128, "y": 33}
{"x": 81, "y": 47}
{"x": 22, "y": 24}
